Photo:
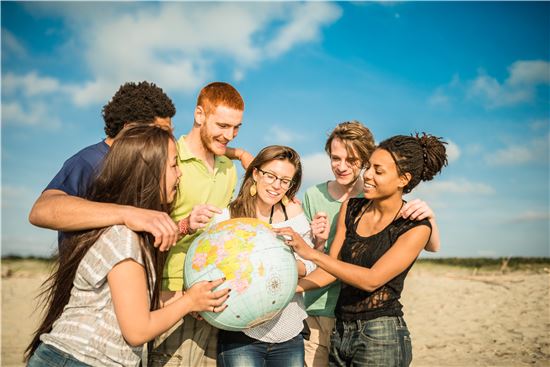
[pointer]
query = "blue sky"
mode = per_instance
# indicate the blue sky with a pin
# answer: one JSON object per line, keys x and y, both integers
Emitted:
{"x": 477, "y": 74}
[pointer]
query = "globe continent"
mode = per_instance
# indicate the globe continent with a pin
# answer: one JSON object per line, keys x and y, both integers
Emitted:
{"x": 259, "y": 269}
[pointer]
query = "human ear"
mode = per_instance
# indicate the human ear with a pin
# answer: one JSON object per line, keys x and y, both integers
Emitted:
{"x": 200, "y": 115}
{"x": 404, "y": 180}
{"x": 254, "y": 175}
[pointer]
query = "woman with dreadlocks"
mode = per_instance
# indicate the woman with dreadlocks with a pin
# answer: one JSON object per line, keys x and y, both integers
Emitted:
{"x": 372, "y": 252}
{"x": 102, "y": 302}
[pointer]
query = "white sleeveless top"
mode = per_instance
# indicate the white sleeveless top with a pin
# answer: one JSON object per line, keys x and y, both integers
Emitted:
{"x": 289, "y": 322}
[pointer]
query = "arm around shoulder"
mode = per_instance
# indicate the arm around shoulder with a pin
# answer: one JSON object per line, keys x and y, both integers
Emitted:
{"x": 59, "y": 211}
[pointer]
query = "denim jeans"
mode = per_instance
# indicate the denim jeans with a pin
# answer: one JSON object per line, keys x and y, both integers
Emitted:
{"x": 261, "y": 354}
{"x": 382, "y": 342}
{"x": 48, "y": 356}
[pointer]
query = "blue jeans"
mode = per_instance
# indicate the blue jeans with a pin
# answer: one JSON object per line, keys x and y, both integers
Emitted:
{"x": 261, "y": 354}
{"x": 382, "y": 342}
{"x": 48, "y": 356}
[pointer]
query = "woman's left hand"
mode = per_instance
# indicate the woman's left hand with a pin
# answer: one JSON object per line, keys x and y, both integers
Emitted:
{"x": 296, "y": 241}
{"x": 417, "y": 210}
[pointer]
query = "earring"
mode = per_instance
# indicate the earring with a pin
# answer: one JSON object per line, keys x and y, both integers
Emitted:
{"x": 285, "y": 200}
{"x": 253, "y": 190}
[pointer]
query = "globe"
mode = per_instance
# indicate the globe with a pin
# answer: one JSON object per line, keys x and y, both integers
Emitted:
{"x": 259, "y": 269}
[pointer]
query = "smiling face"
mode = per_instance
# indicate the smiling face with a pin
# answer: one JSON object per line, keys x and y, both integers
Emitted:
{"x": 173, "y": 172}
{"x": 271, "y": 193}
{"x": 346, "y": 168}
{"x": 219, "y": 127}
{"x": 381, "y": 179}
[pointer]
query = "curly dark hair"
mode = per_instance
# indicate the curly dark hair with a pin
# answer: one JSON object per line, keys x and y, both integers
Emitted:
{"x": 133, "y": 102}
{"x": 422, "y": 156}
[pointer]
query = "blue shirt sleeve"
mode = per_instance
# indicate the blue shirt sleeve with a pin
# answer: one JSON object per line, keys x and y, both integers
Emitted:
{"x": 78, "y": 171}
{"x": 73, "y": 178}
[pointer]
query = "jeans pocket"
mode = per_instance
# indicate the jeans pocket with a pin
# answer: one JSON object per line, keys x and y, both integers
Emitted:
{"x": 379, "y": 332}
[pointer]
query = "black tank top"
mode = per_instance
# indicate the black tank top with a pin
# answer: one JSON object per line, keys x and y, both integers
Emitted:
{"x": 357, "y": 304}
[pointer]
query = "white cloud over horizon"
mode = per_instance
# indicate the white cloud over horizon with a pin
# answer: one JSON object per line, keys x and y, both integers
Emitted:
{"x": 520, "y": 86}
{"x": 163, "y": 43}
{"x": 460, "y": 186}
{"x": 316, "y": 169}
{"x": 35, "y": 114}
{"x": 514, "y": 154}
{"x": 279, "y": 135}
{"x": 12, "y": 45}
{"x": 532, "y": 215}
{"x": 453, "y": 151}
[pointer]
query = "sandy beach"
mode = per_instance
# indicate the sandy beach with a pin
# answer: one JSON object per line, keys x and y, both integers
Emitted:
{"x": 457, "y": 317}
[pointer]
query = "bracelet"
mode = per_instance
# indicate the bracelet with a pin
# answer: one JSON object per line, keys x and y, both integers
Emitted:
{"x": 183, "y": 226}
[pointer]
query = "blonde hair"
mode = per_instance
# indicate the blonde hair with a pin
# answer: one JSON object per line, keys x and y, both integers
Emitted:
{"x": 357, "y": 139}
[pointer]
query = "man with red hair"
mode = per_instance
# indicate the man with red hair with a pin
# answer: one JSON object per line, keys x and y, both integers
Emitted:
{"x": 208, "y": 180}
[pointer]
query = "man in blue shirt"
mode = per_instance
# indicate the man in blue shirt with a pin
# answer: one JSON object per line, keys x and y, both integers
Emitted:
{"x": 62, "y": 206}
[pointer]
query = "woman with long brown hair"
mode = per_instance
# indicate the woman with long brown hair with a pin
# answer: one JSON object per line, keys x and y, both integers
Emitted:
{"x": 373, "y": 250}
{"x": 269, "y": 185}
{"x": 102, "y": 301}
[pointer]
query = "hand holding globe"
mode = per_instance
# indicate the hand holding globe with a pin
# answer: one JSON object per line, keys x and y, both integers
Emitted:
{"x": 259, "y": 269}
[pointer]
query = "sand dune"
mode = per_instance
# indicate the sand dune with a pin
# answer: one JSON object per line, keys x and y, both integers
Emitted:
{"x": 456, "y": 318}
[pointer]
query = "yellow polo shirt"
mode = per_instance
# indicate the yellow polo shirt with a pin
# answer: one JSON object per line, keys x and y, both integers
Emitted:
{"x": 197, "y": 186}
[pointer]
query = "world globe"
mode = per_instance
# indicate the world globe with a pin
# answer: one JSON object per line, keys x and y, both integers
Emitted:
{"x": 259, "y": 269}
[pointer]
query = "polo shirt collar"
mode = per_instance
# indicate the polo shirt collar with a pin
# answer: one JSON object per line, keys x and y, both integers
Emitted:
{"x": 183, "y": 151}
{"x": 185, "y": 154}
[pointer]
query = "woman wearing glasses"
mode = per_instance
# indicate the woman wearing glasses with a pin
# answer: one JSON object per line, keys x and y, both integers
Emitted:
{"x": 271, "y": 180}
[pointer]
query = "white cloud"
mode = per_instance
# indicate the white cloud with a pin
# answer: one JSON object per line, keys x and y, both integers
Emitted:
{"x": 529, "y": 73}
{"x": 279, "y": 135}
{"x": 303, "y": 26}
{"x": 34, "y": 114}
{"x": 453, "y": 151}
{"x": 11, "y": 45}
{"x": 513, "y": 154}
{"x": 457, "y": 186}
{"x": 520, "y": 86}
{"x": 30, "y": 84}
{"x": 531, "y": 215}
{"x": 509, "y": 156}
{"x": 439, "y": 99}
{"x": 178, "y": 44}
{"x": 316, "y": 169}
{"x": 542, "y": 124}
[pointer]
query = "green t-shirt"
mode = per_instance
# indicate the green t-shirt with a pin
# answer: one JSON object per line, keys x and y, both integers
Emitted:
{"x": 322, "y": 301}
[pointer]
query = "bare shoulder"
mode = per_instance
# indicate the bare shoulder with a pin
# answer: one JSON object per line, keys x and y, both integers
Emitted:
{"x": 293, "y": 209}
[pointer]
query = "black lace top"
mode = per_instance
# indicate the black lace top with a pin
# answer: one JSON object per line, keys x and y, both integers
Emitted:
{"x": 357, "y": 304}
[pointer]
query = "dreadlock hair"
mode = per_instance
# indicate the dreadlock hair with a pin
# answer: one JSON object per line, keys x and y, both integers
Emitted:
{"x": 219, "y": 94}
{"x": 422, "y": 156}
{"x": 143, "y": 101}
{"x": 133, "y": 173}
{"x": 245, "y": 204}
{"x": 357, "y": 139}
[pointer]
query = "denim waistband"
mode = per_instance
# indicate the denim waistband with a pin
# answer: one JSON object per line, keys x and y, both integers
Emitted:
{"x": 358, "y": 324}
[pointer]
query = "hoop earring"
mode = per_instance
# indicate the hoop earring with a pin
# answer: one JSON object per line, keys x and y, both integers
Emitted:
{"x": 253, "y": 190}
{"x": 285, "y": 200}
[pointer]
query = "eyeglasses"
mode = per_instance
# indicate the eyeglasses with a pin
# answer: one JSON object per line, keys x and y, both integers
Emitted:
{"x": 269, "y": 178}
